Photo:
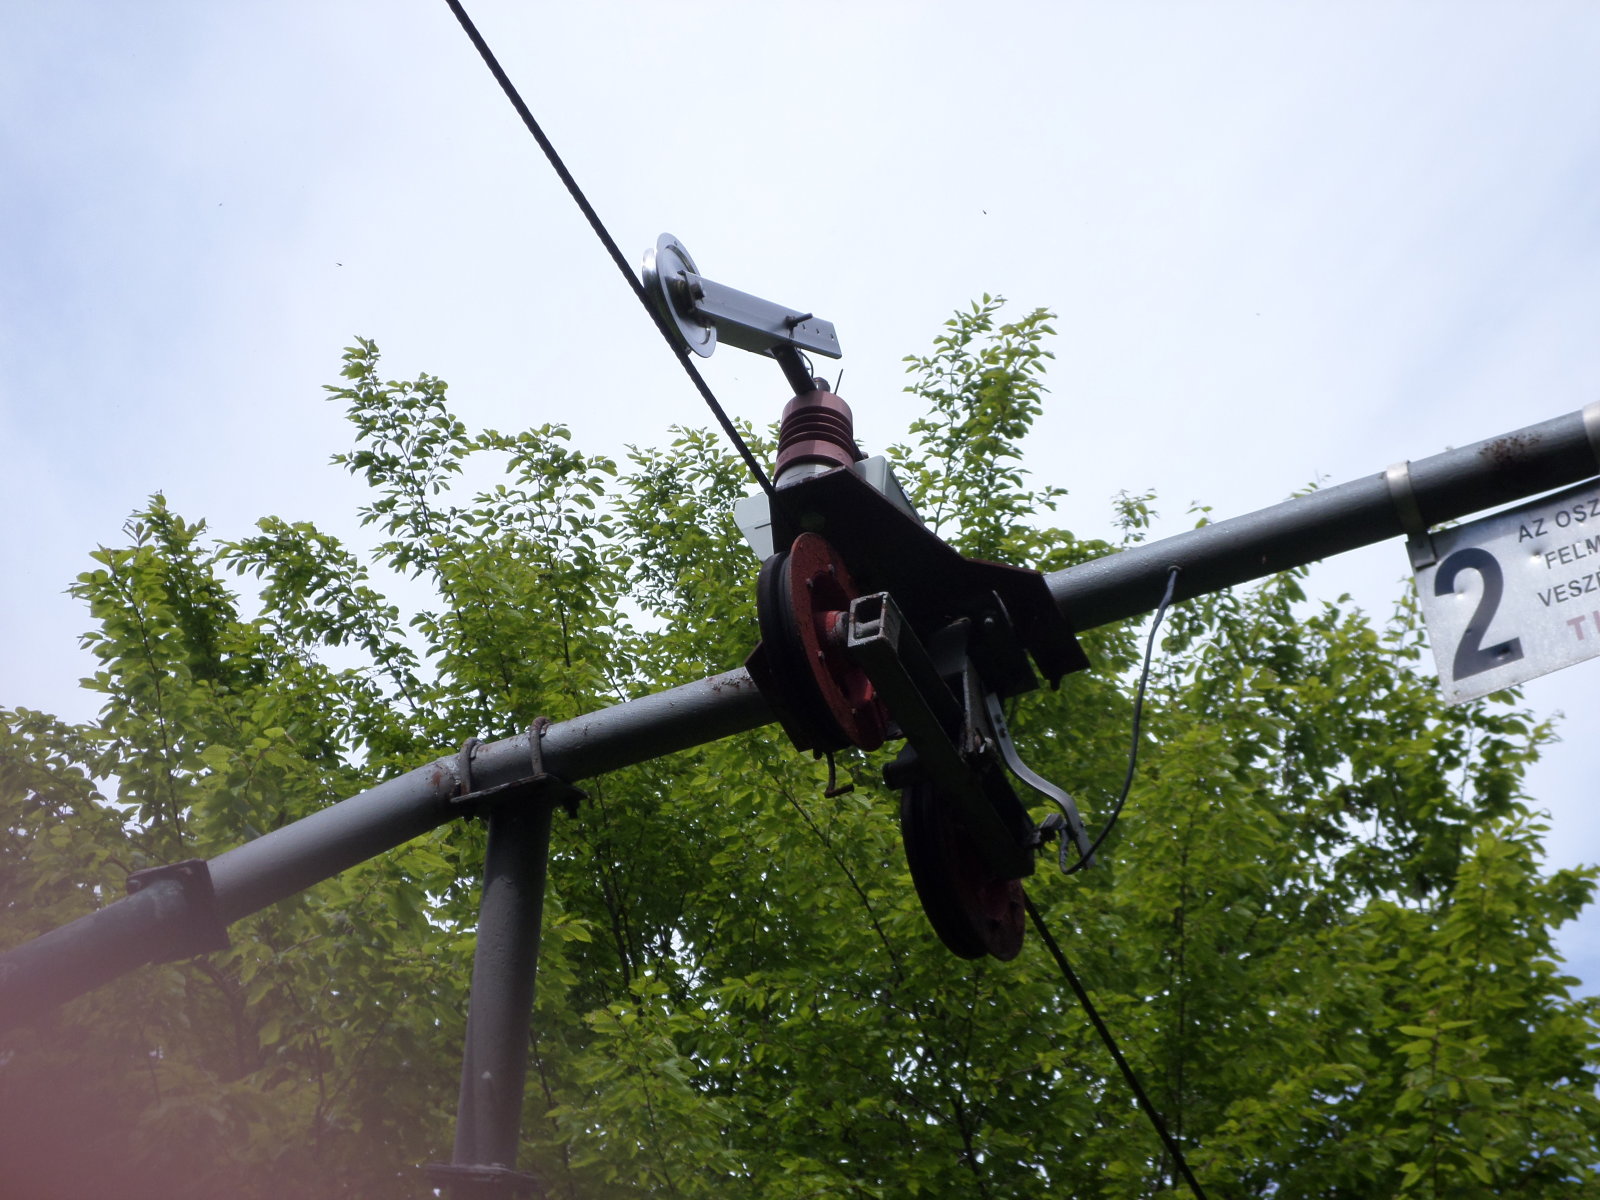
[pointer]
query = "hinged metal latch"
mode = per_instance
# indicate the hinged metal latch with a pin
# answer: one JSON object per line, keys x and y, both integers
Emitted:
{"x": 1071, "y": 824}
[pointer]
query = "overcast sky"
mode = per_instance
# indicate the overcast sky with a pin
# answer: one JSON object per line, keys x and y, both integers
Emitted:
{"x": 1285, "y": 242}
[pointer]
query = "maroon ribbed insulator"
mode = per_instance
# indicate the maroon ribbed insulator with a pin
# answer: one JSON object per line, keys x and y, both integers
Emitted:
{"x": 817, "y": 427}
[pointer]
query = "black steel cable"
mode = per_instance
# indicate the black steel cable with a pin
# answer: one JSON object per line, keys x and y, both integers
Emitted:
{"x": 1138, "y": 717}
{"x": 1111, "y": 1044}
{"x": 599, "y": 228}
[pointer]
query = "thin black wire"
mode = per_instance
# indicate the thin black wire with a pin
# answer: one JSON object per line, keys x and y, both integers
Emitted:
{"x": 1138, "y": 716}
{"x": 605, "y": 238}
{"x": 1111, "y": 1044}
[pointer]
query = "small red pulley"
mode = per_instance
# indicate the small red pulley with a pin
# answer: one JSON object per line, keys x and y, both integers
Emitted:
{"x": 973, "y": 912}
{"x": 826, "y": 702}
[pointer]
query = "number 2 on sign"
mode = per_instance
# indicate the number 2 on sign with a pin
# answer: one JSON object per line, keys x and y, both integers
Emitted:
{"x": 1472, "y": 656}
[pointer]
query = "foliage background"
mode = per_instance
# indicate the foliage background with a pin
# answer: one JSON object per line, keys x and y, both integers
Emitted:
{"x": 1322, "y": 929}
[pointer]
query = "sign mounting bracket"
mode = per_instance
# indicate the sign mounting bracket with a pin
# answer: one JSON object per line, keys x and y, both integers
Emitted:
{"x": 1419, "y": 544}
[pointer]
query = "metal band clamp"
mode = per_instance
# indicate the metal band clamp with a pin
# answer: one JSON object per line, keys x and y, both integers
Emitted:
{"x": 1418, "y": 544}
{"x": 1591, "y": 426}
{"x": 487, "y": 1180}
{"x": 539, "y": 784}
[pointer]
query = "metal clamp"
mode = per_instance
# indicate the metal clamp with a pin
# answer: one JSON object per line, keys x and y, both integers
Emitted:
{"x": 1591, "y": 426}
{"x": 1404, "y": 497}
{"x": 204, "y": 930}
{"x": 464, "y": 789}
{"x": 539, "y": 784}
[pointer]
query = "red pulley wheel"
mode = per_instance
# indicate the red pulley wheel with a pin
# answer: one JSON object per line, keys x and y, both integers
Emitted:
{"x": 819, "y": 590}
{"x": 972, "y": 912}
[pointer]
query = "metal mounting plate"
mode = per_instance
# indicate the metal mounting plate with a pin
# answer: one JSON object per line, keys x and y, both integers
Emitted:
{"x": 891, "y": 551}
{"x": 700, "y": 311}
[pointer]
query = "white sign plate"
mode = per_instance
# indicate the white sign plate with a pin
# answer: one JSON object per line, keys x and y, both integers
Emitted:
{"x": 1515, "y": 595}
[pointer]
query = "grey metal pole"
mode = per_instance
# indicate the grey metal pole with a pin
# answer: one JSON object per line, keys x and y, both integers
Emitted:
{"x": 146, "y": 927}
{"x": 1330, "y": 521}
{"x": 495, "y": 1062}
{"x": 66, "y": 962}
{"x": 289, "y": 860}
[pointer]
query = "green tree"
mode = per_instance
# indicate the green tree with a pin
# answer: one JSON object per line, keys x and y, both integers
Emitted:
{"x": 1322, "y": 928}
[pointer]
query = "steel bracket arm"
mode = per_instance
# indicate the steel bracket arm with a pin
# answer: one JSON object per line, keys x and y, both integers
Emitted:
{"x": 1514, "y": 466}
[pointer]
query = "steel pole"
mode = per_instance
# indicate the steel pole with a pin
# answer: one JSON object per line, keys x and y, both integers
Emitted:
{"x": 66, "y": 962}
{"x": 289, "y": 860}
{"x": 1330, "y": 521}
{"x": 495, "y": 1061}
{"x": 96, "y": 949}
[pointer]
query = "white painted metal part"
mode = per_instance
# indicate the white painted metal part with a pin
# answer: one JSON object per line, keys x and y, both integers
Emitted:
{"x": 1515, "y": 595}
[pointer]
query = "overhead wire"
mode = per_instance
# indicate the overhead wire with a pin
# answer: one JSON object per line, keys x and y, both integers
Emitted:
{"x": 1143, "y": 1098}
{"x": 1071, "y": 976}
{"x": 608, "y": 242}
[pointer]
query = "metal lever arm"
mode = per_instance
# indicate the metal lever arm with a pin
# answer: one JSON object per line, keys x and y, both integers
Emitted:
{"x": 1062, "y": 799}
